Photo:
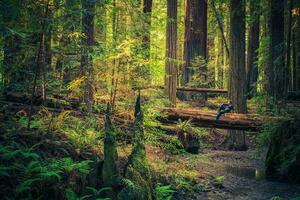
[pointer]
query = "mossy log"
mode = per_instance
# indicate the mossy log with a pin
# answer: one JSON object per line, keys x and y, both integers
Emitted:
{"x": 208, "y": 119}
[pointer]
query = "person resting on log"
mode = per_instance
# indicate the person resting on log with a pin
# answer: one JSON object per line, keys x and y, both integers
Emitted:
{"x": 224, "y": 108}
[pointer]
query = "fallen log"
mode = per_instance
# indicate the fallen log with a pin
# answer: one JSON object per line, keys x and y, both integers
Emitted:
{"x": 200, "y": 118}
{"x": 185, "y": 89}
{"x": 52, "y": 102}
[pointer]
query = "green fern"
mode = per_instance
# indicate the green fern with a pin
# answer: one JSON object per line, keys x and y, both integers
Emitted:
{"x": 164, "y": 192}
{"x": 130, "y": 191}
{"x": 97, "y": 192}
{"x": 71, "y": 195}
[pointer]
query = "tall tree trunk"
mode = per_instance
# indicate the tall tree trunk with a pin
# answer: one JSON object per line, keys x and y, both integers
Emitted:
{"x": 294, "y": 65}
{"x": 42, "y": 51}
{"x": 171, "y": 52}
{"x": 288, "y": 46}
{"x": 187, "y": 71}
{"x": 220, "y": 25}
{"x": 219, "y": 49}
{"x": 226, "y": 51}
{"x": 253, "y": 45}
{"x": 115, "y": 22}
{"x": 276, "y": 70}
{"x": 237, "y": 84}
{"x": 195, "y": 39}
{"x": 66, "y": 42}
{"x": 87, "y": 43}
{"x": 11, "y": 48}
{"x": 147, "y": 9}
{"x": 297, "y": 48}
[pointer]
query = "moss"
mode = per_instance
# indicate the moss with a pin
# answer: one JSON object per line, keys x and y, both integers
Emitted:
{"x": 139, "y": 189}
{"x": 137, "y": 169}
{"x": 109, "y": 172}
{"x": 283, "y": 157}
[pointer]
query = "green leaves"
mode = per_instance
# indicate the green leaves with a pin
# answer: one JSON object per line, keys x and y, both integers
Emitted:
{"x": 22, "y": 170}
{"x": 164, "y": 192}
{"x": 71, "y": 195}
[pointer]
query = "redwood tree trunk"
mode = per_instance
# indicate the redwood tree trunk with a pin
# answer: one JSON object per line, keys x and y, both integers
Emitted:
{"x": 147, "y": 9}
{"x": 171, "y": 50}
{"x": 253, "y": 45}
{"x": 276, "y": 70}
{"x": 237, "y": 83}
{"x": 297, "y": 49}
{"x": 195, "y": 38}
{"x": 288, "y": 47}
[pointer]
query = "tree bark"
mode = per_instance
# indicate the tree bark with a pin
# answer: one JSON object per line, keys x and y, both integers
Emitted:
{"x": 220, "y": 25}
{"x": 297, "y": 48}
{"x": 195, "y": 48}
{"x": 288, "y": 47}
{"x": 147, "y": 9}
{"x": 208, "y": 119}
{"x": 219, "y": 49}
{"x": 253, "y": 45}
{"x": 171, "y": 52}
{"x": 237, "y": 84}
{"x": 276, "y": 70}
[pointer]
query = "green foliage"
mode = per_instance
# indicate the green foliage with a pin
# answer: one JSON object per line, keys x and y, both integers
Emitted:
{"x": 260, "y": 103}
{"x": 23, "y": 171}
{"x": 188, "y": 127}
{"x": 219, "y": 180}
{"x": 130, "y": 190}
{"x": 282, "y": 160}
{"x": 71, "y": 195}
{"x": 297, "y": 198}
{"x": 266, "y": 133}
{"x": 159, "y": 138}
{"x": 36, "y": 122}
{"x": 164, "y": 192}
{"x": 186, "y": 185}
{"x": 82, "y": 132}
{"x": 96, "y": 193}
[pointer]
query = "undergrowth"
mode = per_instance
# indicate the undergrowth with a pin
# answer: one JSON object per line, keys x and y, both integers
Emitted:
{"x": 43, "y": 162}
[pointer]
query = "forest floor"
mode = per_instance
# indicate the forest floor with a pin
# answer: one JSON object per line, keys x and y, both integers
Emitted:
{"x": 221, "y": 175}
{"x": 213, "y": 173}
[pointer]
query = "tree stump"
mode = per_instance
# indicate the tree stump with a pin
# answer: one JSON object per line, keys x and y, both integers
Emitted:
{"x": 189, "y": 141}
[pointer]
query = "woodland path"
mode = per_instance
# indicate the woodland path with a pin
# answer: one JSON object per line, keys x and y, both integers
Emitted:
{"x": 242, "y": 171}
{"x": 244, "y": 178}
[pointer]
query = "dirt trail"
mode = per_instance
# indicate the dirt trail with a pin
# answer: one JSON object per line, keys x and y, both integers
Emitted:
{"x": 243, "y": 175}
{"x": 244, "y": 178}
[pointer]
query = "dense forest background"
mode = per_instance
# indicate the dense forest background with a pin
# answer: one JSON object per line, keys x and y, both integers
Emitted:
{"x": 117, "y": 99}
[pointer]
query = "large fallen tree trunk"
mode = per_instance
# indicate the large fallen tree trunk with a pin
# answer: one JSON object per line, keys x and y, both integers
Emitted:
{"x": 185, "y": 89}
{"x": 208, "y": 119}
